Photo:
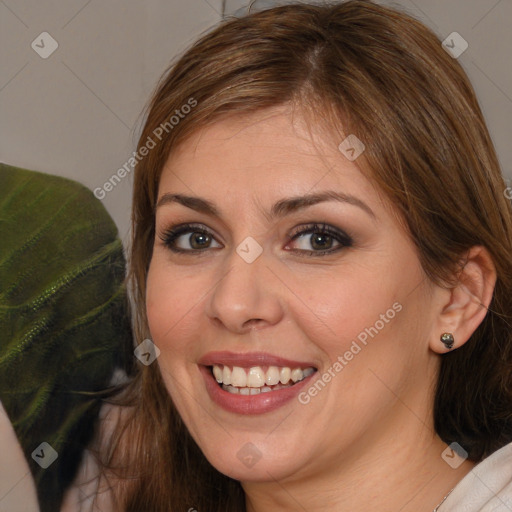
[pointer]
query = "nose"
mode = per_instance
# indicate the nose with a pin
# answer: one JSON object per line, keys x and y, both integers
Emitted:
{"x": 246, "y": 297}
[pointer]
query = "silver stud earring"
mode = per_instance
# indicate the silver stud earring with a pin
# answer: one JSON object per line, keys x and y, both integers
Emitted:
{"x": 448, "y": 340}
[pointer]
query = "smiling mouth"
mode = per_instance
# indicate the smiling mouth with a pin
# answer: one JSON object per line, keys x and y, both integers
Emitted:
{"x": 258, "y": 379}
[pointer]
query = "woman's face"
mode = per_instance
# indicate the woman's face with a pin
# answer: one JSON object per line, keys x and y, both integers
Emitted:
{"x": 270, "y": 287}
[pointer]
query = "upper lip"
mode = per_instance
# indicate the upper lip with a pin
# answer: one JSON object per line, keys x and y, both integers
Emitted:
{"x": 250, "y": 359}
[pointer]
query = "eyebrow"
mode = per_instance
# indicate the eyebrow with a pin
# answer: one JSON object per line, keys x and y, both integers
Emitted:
{"x": 281, "y": 208}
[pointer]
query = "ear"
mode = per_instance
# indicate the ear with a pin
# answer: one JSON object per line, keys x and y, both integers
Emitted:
{"x": 464, "y": 306}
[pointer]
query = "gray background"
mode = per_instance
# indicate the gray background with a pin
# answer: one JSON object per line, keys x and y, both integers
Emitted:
{"x": 77, "y": 113}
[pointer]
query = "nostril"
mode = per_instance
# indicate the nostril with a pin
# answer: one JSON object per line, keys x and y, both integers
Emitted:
{"x": 253, "y": 322}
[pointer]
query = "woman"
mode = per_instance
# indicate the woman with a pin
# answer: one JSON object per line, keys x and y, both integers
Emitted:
{"x": 322, "y": 256}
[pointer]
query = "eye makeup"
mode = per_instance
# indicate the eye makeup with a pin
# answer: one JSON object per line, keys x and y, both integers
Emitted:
{"x": 319, "y": 233}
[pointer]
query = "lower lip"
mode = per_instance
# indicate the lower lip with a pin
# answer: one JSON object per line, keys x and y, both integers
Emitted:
{"x": 251, "y": 404}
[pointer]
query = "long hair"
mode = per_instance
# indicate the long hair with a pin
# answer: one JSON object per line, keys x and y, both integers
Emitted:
{"x": 353, "y": 68}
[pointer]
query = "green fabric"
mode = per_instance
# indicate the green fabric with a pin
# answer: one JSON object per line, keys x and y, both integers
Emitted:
{"x": 64, "y": 325}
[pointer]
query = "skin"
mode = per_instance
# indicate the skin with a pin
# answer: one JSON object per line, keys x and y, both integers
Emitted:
{"x": 366, "y": 441}
{"x": 17, "y": 487}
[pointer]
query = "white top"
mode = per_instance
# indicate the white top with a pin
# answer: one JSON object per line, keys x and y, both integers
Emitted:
{"x": 487, "y": 487}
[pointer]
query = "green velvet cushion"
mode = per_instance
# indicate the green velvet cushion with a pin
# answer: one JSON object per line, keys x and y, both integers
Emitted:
{"x": 64, "y": 325}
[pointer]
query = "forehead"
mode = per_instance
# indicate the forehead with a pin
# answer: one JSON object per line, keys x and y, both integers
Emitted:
{"x": 269, "y": 151}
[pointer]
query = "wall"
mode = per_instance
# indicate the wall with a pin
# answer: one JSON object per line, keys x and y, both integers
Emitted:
{"x": 77, "y": 112}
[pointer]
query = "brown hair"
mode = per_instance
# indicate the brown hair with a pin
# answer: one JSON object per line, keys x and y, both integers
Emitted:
{"x": 383, "y": 76}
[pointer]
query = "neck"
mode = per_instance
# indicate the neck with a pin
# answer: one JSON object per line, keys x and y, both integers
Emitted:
{"x": 396, "y": 472}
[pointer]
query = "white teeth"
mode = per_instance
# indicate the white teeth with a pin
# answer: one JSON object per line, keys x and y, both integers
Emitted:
{"x": 272, "y": 376}
{"x": 285, "y": 375}
{"x": 308, "y": 371}
{"x": 226, "y": 375}
{"x": 256, "y": 377}
{"x": 217, "y": 373}
{"x": 237, "y": 379}
{"x": 297, "y": 374}
{"x": 254, "y": 391}
{"x": 231, "y": 389}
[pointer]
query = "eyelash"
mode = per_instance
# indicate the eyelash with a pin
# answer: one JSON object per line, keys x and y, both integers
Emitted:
{"x": 345, "y": 241}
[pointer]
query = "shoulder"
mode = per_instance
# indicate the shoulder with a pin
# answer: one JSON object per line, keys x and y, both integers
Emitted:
{"x": 488, "y": 486}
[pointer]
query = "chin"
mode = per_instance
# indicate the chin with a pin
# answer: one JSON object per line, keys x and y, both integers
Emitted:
{"x": 255, "y": 461}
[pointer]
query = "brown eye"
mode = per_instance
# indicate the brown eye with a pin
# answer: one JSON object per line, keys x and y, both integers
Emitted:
{"x": 199, "y": 240}
{"x": 320, "y": 242}
{"x": 189, "y": 238}
{"x": 320, "y": 239}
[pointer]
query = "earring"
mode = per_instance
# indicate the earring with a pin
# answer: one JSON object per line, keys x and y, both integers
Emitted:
{"x": 448, "y": 340}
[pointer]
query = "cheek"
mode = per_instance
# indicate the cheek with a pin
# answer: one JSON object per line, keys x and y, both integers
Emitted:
{"x": 173, "y": 324}
{"x": 158, "y": 295}
{"x": 170, "y": 307}
{"x": 351, "y": 306}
